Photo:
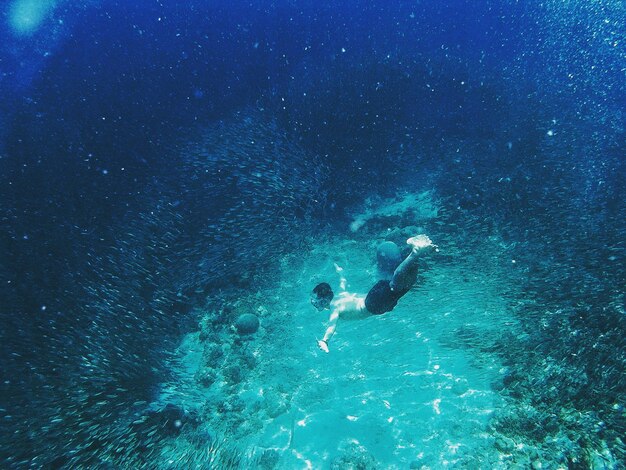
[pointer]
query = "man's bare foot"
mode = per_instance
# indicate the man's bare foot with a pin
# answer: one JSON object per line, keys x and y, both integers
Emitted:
{"x": 420, "y": 242}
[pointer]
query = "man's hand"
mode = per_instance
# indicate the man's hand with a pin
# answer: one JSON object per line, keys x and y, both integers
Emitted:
{"x": 323, "y": 345}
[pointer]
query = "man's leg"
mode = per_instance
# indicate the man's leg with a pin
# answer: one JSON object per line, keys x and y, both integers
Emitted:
{"x": 405, "y": 275}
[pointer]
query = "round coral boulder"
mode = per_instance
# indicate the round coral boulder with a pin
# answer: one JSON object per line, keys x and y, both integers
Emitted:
{"x": 247, "y": 324}
{"x": 388, "y": 257}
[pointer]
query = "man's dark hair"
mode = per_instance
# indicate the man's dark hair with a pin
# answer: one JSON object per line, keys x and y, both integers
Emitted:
{"x": 321, "y": 296}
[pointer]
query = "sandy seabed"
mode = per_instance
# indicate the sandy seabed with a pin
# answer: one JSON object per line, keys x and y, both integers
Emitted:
{"x": 412, "y": 388}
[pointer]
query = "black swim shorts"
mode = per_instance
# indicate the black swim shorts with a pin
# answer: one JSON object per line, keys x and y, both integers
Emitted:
{"x": 381, "y": 299}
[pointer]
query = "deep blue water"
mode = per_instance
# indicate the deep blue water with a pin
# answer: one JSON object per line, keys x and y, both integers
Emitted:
{"x": 114, "y": 227}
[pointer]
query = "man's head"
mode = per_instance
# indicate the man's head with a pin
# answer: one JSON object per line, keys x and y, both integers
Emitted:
{"x": 321, "y": 296}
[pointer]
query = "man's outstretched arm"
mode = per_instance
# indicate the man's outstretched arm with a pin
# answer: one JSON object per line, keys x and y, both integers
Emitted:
{"x": 330, "y": 331}
{"x": 345, "y": 303}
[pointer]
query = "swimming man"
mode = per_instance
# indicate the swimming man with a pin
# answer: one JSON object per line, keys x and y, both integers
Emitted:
{"x": 381, "y": 298}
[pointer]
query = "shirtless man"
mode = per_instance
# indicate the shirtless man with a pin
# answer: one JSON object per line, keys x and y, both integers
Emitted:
{"x": 381, "y": 298}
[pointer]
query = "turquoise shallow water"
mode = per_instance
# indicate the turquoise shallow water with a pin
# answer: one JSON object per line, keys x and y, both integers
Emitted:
{"x": 409, "y": 387}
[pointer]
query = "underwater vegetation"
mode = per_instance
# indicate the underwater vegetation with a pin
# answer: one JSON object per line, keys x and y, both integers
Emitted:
{"x": 172, "y": 174}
